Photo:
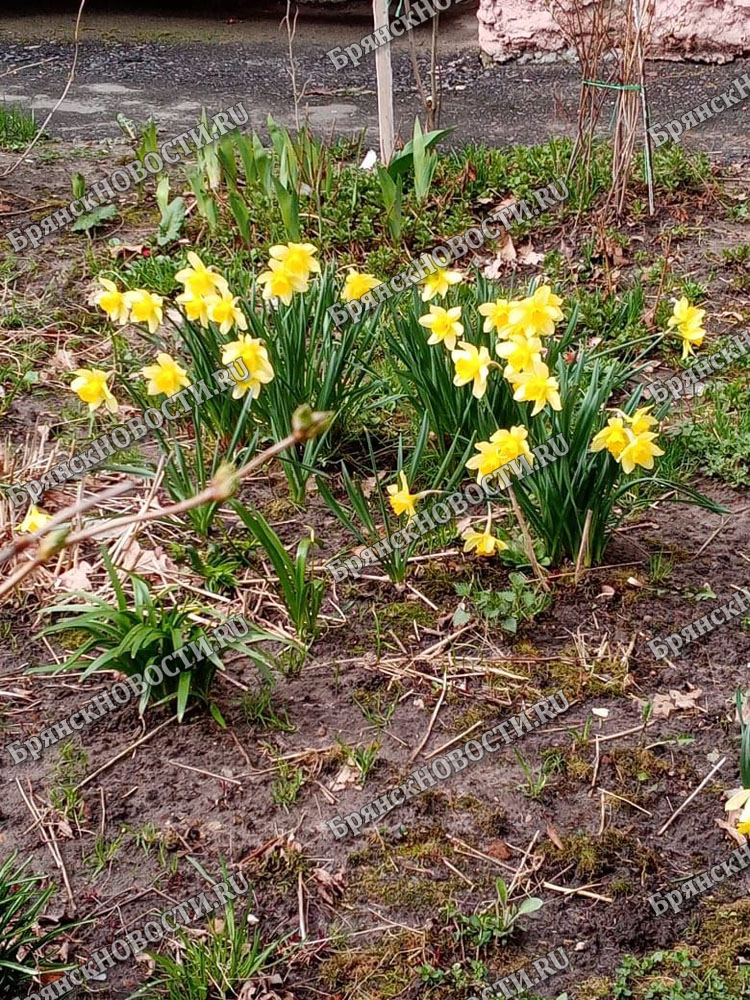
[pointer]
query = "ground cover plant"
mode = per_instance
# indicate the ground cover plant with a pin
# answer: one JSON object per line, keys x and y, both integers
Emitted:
{"x": 430, "y": 520}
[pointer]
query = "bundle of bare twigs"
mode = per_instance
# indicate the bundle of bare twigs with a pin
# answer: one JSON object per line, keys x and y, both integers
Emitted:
{"x": 610, "y": 39}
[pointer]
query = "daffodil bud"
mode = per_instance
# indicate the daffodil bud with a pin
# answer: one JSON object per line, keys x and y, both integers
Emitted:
{"x": 51, "y": 544}
{"x": 224, "y": 483}
{"x": 308, "y": 423}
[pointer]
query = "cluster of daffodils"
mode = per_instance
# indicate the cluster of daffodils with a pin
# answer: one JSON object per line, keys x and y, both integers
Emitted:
{"x": 136, "y": 306}
{"x": 205, "y": 298}
{"x": 630, "y": 440}
{"x": 289, "y": 269}
{"x": 403, "y": 501}
{"x": 687, "y": 321}
{"x": 519, "y": 326}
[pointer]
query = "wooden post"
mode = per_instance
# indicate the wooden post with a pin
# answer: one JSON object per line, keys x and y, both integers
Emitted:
{"x": 385, "y": 83}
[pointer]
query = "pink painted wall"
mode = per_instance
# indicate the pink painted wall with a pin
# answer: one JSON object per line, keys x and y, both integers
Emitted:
{"x": 710, "y": 30}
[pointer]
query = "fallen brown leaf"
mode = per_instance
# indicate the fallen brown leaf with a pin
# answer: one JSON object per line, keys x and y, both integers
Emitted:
{"x": 498, "y": 849}
{"x": 330, "y": 886}
{"x": 675, "y": 701}
{"x": 731, "y": 830}
{"x": 552, "y": 834}
{"x": 76, "y": 578}
{"x": 346, "y": 777}
{"x": 528, "y": 256}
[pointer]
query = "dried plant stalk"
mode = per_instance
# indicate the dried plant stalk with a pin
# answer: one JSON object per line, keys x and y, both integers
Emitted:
{"x": 587, "y": 27}
{"x": 632, "y": 104}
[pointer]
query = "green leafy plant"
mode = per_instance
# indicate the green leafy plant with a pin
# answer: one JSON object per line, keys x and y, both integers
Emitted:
{"x": 391, "y": 190}
{"x": 130, "y": 638}
{"x": 257, "y": 708}
{"x": 534, "y": 781}
{"x": 739, "y": 699}
{"x": 494, "y": 924}
{"x": 521, "y": 602}
{"x": 148, "y": 143}
{"x": 172, "y": 214}
{"x": 363, "y": 758}
{"x": 301, "y": 592}
{"x": 94, "y": 218}
{"x": 64, "y": 794}
{"x": 17, "y": 127}
{"x": 316, "y": 363}
{"x": 287, "y": 785}
{"x": 216, "y": 965}
{"x": 675, "y": 975}
{"x": 424, "y": 163}
{"x": 102, "y": 853}
{"x": 23, "y": 901}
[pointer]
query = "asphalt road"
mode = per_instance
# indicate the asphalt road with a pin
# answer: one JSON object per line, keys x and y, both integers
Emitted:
{"x": 144, "y": 66}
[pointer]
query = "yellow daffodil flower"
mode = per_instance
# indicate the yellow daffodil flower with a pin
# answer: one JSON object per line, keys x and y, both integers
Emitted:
{"x": 357, "y": 284}
{"x": 280, "y": 284}
{"x": 520, "y": 352}
{"x": 113, "y": 302}
{"x": 472, "y": 365}
{"x": 688, "y": 321}
{"x": 496, "y": 316}
{"x": 439, "y": 282}
{"x": 641, "y": 420}
{"x": 503, "y": 446}
{"x": 165, "y": 377}
{"x": 90, "y": 384}
{"x": 34, "y": 520}
{"x": 297, "y": 258}
{"x": 258, "y": 368}
{"x": 640, "y": 451}
{"x": 614, "y": 437}
{"x": 145, "y": 307}
{"x": 741, "y": 800}
{"x": 484, "y": 543}
{"x": 444, "y": 325}
{"x": 401, "y": 500}
{"x": 536, "y": 386}
{"x": 200, "y": 280}
{"x": 536, "y": 315}
{"x": 690, "y": 340}
{"x": 224, "y": 311}
{"x": 194, "y": 307}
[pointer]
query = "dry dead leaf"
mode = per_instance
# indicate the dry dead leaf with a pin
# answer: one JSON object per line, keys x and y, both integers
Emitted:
{"x": 154, "y": 561}
{"x": 528, "y": 256}
{"x": 498, "y": 849}
{"x": 731, "y": 830}
{"x": 63, "y": 361}
{"x": 606, "y": 592}
{"x": 675, "y": 701}
{"x": 76, "y": 578}
{"x": 127, "y": 250}
{"x": 330, "y": 886}
{"x": 346, "y": 777}
{"x": 552, "y": 834}
{"x": 505, "y": 255}
{"x": 262, "y": 988}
